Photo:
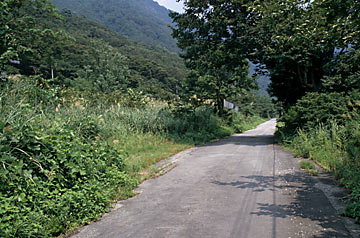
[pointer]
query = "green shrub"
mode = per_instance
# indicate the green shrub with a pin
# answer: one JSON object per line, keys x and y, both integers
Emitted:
{"x": 316, "y": 108}
{"x": 54, "y": 174}
{"x": 51, "y": 176}
{"x": 194, "y": 125}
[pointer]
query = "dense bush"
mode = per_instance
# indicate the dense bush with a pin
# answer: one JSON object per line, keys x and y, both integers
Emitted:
{"x": 315, "y": 108}
{"x": 51, "y": 179}
{"x": 326, "y": 128}
{"x": 194, "y": 125}
{"x": 55, "y": 174}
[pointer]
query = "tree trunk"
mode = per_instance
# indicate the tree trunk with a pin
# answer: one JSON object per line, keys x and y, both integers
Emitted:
{"x": 220, "y": 106}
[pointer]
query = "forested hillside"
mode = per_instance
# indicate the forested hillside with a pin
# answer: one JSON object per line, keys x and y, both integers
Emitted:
{"x": 69, "y": 47}
{"x": 144, "y": 21}
{"x": 263, "y": 80}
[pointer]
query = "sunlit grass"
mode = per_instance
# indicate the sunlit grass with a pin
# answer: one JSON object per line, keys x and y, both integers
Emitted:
{"x": 336, "y": 149}
{"x": 146, "y": 149}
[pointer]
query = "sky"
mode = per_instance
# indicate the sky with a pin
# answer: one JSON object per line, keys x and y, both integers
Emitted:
{"x": 172, "y": 5}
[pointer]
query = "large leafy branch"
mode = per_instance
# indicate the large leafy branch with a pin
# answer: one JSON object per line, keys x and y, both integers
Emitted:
{"x": 305, "y": 45}
{"x": 208, "y": 33}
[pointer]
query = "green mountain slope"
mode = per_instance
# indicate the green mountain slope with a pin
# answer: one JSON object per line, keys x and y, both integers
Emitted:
{"x": 84, "y": 54}
{"x": 263, "y": 80}
{"x": 152, "y": 70}
{"x": 144, "y": 21}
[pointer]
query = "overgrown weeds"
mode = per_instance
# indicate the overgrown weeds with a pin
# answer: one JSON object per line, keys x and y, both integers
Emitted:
{"x": 65, "y": 155}
{"x": 326, "y": 128}
{"x": 309, "y": 167}
{"x": 55, "y": 174}
{"x": 337, "y": 149}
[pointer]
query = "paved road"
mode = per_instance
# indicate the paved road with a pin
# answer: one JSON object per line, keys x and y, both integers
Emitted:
{"x": 243, "y": 186}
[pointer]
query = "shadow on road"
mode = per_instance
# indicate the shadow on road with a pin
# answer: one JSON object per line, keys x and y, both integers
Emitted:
{"x": 308, "y": 203}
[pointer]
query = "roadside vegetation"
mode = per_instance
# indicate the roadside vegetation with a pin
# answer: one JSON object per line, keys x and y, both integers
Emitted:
{"x": 66, "y": 155}
{"x": 325, "y": 127}
{"x": 309, "y": 167}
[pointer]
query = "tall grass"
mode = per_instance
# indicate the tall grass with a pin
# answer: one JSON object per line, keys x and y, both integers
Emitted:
{"x": 55, "y": 172}
{"x": 65, "y": 155}
{"x": 337, "y": 149}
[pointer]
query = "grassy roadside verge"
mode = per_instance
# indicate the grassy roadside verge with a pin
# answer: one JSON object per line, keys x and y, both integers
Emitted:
{"x": 66, "y": 156}
{"x": 149, "y": 149}
{"x": 336, "y": 148}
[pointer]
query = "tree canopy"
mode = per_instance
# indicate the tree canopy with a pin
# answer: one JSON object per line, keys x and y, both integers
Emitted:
{"x": 14, "y": 23}
{"x": 208, "y": 33}
{"x": 304, "y": 45}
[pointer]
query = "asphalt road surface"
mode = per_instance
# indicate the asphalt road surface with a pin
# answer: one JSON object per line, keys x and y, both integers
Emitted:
{"x": 243, "y": 186}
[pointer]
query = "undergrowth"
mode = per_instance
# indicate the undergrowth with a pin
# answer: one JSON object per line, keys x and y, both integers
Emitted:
{"x": 337, "y": 149}
{"x": 66, "y": 155}
{"x": 309, "y": 167}
{"x": 334, "y": 144}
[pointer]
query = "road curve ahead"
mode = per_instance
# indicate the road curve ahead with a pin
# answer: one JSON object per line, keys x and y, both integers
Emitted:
{"x": 243, "y": 186}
